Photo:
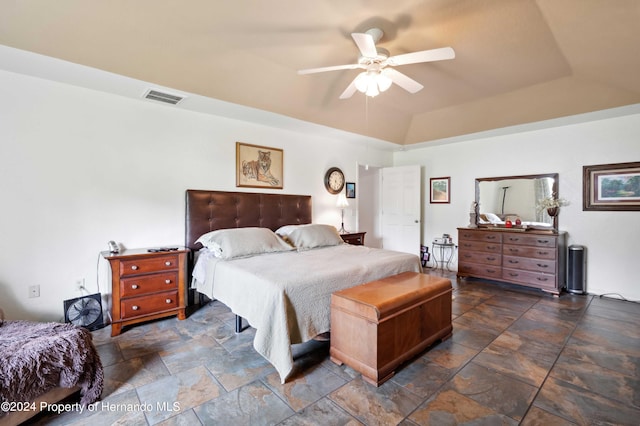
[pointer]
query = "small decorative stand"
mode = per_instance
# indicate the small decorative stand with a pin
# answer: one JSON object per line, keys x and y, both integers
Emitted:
{"x": 473, "y": 215}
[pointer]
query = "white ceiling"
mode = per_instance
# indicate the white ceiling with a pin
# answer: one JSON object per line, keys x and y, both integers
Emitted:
{"x": 517, "y": 61}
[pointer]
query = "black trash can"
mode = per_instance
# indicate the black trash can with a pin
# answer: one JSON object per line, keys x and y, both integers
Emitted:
{"x": 576, "y": 270}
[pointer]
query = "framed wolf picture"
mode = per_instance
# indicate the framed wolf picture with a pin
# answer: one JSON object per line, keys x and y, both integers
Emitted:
{"x": 258, "y": 166}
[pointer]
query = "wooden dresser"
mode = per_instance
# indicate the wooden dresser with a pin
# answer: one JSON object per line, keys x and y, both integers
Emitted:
{"x": 529, "y": 258}
{"x": 146, "y": 285}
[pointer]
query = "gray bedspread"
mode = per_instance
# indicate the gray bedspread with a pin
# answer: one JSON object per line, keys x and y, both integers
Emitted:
{"x": 286, "y": 296}
{"x": 38, "y": 357}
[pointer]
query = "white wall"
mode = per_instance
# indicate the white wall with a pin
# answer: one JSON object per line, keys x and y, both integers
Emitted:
{"x": 610, "y": 237}
{"x": 81, "y": 167}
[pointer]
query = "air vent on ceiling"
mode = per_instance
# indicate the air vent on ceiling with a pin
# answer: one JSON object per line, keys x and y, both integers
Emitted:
{"x": 167, "y": 98}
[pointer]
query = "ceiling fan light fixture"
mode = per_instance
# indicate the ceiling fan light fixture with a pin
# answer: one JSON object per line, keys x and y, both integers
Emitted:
{"x": 362, "y": 82}
{"x": 372, "y": 90}
{"x": 383, "y": 82}
{"x": 372, "y": 82}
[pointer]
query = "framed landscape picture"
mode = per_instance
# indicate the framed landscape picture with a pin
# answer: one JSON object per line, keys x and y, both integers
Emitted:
{"x": 440, "y": 190}
{"x": 258, "y": 166}
{"x": 611, "y": 187}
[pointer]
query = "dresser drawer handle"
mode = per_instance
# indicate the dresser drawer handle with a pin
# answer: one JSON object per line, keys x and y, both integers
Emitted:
{"x": 491, "y": 271}
{"x": 134, "y": 286}
{"x": 542, "y": 279}
{"x": 491, "y": 237}
{"x": 543, "y": 253}
{"x": 467, "y": 256}
{"x": 543, "y": 241}
{"x": 134, "y": 267}
{"x": 491, "y": 258}
{"x": 466, "y": 245}
{"x": 514, "y": 239}
{"x": 167, "y": 263}
{"x": 135, "y": 307}
{"x": 513, "y": 275}
{"x": 167, "y": 281}
{"x": 513, "y": 250}
{"x": 540, "y": 265}
{"x": 514, "y": 262}
{"x": 491, "y": 247}
{"x": 167, "y": 301}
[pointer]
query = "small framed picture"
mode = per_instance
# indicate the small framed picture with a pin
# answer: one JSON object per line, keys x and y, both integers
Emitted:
{"x": 611, "y": 187}
{"x": 258, "y": 166}
{"x": 440, "y": 190}
{"x": 350, "y": 189}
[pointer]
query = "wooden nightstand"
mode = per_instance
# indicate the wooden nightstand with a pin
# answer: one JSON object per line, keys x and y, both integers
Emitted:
{"x": 146, "y": 285}
{"x": 355, "y": 238}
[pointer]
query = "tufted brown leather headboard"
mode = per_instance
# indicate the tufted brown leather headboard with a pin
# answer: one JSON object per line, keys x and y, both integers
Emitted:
{"x": 210, "y": 210}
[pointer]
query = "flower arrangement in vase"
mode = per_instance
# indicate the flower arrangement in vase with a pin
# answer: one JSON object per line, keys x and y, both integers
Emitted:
{"x": 552, "y": 205}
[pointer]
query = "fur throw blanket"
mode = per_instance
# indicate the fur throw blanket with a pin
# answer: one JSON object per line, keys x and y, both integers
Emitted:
{"x": 37, "y": 357}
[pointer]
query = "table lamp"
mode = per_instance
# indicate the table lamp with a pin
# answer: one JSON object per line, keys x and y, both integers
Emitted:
{"x": 342, "y": 204}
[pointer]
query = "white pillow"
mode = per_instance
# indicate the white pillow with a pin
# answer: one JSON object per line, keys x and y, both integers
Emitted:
{"x": 312, "y": 236}
{"x": 285, "y": 230}
{"x": 493, "y": 218}
{"x": 242, "y": 242}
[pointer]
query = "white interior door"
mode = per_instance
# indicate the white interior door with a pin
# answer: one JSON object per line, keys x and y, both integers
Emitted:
{"x": 401, "y": 209}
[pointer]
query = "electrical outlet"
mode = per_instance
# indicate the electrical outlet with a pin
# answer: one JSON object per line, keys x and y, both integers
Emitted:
{"x": 34, "y": 291}
{"x": 80, "y": 284}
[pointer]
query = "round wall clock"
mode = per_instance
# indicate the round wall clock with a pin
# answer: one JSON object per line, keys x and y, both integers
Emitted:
{"x": 334, "y": 180}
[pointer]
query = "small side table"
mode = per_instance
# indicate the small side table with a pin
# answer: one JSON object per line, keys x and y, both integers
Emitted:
{"x": 447, "y": 251}
{"x": 146, "y": 285}
{"x": 354, "y": 238}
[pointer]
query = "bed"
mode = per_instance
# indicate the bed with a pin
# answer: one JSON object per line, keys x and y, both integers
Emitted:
{"x": 43, "y": 363}
{"x": 285, "y": 293}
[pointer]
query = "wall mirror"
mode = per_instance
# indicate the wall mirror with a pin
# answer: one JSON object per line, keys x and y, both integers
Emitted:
{"x": 510, "y": 197}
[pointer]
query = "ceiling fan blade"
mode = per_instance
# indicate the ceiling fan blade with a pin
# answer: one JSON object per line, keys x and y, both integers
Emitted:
{"x": 349, "y": 91}
{"x": 440, "y": 54}
{"x": 333, "y": 68}
{"x": 408, "y": 84}
{"x": 366, "y": 44}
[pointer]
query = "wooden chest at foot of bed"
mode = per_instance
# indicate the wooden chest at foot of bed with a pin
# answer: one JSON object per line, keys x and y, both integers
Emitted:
{"x": 377, "y": 326}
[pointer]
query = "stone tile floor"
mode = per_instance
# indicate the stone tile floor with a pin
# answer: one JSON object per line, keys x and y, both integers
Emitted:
{"x": 516, "y": 357}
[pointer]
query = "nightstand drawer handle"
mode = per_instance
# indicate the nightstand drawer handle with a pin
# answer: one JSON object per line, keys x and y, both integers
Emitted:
{"x": 168, "y": 300}
{"x": 134, "y": 267}
{"x": 167, "y": 281}
{"x": 134, "y": 286}
{"x": 167, "y": 263}
{"x": 135, "y": 307}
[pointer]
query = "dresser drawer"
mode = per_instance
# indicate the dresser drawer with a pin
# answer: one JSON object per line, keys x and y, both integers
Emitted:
{"x": 536, "y": 265}
{"x": 146, "y": 284}
{"x": 481, "y": 257}
{"x": 144, "y": 305}
{"x": 487, "y": 236}
{"x": 535, "y": 279}
{"x": 478, "y": 270}
{"x": 529, "y": 240}
{"x": 527, "y": 251}
{"x": 150, "y": 264}
{"x": 480, "y": 246}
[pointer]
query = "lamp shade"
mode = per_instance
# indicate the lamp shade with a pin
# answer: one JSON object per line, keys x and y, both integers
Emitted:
{"x": 383, "y": 81}
{"x": 362, "y": 82}
{"x": 342, "y": 201}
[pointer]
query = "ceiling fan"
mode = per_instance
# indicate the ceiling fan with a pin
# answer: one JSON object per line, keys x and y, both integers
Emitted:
{"x": 378, "y": 74}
